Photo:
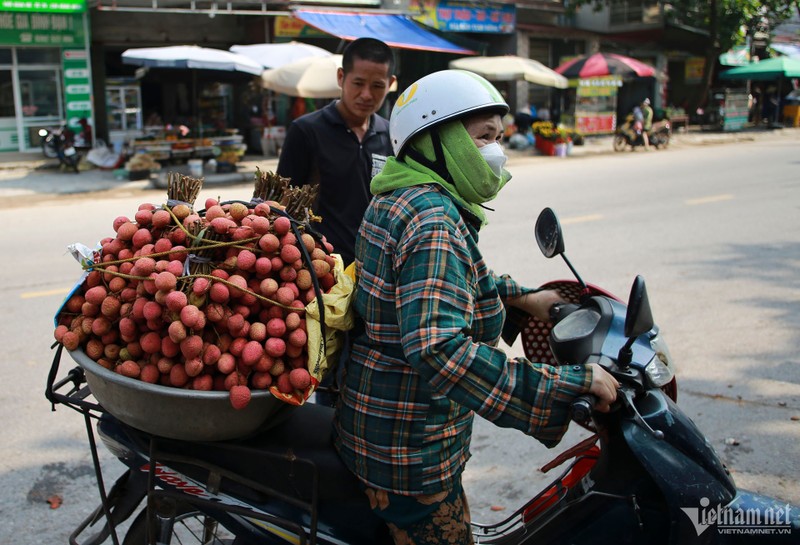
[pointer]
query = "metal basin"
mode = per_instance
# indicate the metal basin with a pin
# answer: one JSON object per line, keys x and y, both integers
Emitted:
{"x": 177, "y": 413}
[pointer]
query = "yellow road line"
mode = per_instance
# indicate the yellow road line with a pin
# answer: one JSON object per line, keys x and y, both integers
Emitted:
{"x": 48, "y": 293}
{"x": 581, "y": 219}
{"x": 709, "y": 199}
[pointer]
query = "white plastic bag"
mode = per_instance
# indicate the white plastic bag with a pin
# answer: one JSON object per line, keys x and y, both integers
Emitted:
{"x": 102, "y": 156}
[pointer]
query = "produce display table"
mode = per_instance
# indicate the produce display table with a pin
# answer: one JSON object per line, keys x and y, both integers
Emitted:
{"x": 181, "y": 150}
{"x": 679, "y": 120}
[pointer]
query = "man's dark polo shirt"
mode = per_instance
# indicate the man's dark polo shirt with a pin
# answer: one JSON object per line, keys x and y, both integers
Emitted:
{"x": 320, "y": 148}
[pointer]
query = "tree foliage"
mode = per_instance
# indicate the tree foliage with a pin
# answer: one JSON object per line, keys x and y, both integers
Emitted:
{"x": 727, "y": 22}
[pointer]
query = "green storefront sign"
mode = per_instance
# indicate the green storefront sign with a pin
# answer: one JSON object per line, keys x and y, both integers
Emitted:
{"x": 77, "y": 87}
{"x": 44, "y": 6}
{"x": 45, "y": 29}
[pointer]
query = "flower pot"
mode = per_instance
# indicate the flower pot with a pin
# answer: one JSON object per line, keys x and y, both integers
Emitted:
{"x": 545, "y": 146}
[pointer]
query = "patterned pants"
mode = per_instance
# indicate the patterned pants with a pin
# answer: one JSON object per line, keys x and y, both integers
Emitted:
{"x": 435, "y": 519}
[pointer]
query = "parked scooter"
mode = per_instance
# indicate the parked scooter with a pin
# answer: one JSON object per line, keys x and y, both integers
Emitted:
{"x": 653, "y": 479}
{"x": 630, "y": 135}
{"x": 58, "y": 144}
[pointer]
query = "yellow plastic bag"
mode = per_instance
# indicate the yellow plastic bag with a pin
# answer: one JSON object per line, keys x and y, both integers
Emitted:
{"x": 323, "y": 354}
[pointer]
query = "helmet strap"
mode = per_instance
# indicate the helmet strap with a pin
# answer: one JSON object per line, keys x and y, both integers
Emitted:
{"x": 439, "y": 165}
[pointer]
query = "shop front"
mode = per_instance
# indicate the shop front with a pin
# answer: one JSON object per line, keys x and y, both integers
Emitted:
{"x": 591, "y": 105}
{"x": 45, "y": 75}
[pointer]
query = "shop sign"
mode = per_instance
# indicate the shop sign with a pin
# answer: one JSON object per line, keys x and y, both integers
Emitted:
{"x": 77, "y": 87}
{"x": 53, "y": 29}
{"x": 693, "y": 70}
{"x": 44, "y": 6}
{"x": 598, "y": 87}
{"x": 599, "y": 123}
{"x": 452, "y": 16}
{"x": 291, "y": 27}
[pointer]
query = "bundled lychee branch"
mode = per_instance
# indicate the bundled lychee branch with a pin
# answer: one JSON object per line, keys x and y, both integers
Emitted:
{"x": 209, "y": 300}
{"x": 297, "y": 202}
{"x": 183, "y": 188}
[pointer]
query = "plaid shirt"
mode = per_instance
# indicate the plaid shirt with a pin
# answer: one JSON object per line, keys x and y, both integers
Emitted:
{"x": 427, "y": 358}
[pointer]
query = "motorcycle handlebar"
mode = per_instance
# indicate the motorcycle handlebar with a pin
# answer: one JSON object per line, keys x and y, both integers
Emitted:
{"x": 582, "y": 407}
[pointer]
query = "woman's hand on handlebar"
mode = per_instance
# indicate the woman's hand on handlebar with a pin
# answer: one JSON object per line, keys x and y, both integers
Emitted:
{"x": 538, "y": 303}
{"x": 604, "y": 387}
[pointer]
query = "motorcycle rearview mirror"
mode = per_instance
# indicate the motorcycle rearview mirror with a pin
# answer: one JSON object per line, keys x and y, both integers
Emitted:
{"x": 550, "y": 239}
{"x": 638, "y": 319}
{"x": 548, "y": 234}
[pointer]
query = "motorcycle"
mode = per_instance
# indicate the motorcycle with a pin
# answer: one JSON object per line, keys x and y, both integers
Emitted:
{"x": 630, "y": 134}
{"x": 58, "y": 144}
{"x": 652, "y": 479}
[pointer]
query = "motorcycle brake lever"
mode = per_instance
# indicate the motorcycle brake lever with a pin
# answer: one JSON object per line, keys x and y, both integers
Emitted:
{"x": 626, "y": 398}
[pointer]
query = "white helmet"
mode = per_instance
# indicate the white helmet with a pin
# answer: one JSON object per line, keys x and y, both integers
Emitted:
{"x": 438, "y": 97}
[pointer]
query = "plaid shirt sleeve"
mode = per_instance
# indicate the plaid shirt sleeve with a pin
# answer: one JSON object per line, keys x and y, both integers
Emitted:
{"x": 436, "y": 303}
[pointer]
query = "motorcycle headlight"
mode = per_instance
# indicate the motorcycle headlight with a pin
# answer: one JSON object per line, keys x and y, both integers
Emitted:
{"x": 661, "y": 369}
{"x": 43, "y": 132}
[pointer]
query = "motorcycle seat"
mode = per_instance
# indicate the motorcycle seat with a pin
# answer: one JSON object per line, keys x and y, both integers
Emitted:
{"x": 285, "y": 457}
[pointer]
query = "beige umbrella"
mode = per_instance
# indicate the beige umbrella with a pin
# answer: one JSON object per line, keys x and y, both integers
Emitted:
{"x": 511, "y": 67}
{"x": 311, "y": 77}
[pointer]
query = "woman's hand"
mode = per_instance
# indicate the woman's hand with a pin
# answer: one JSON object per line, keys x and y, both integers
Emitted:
{"x": 538, "y": 303}
{"x": 604, "y": 386}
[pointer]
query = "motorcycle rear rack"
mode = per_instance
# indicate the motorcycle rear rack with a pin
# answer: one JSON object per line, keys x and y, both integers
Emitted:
{"x": 75, "y": 397}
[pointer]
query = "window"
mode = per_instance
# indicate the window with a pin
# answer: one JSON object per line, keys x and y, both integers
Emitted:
{"x": 39, "y": 92}
{"x": 6, "y": 94}
{"x": 39, "y": 55}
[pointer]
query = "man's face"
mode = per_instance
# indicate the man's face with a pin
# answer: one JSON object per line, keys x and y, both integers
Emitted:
{"x": 364, "y": 88}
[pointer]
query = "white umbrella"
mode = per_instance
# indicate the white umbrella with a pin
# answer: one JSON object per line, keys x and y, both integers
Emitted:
{"x": 276, "y": 55}
{"x": 511, "y": 67}
{"x": 191, "y": 56}
{"x": 312, "y": 77}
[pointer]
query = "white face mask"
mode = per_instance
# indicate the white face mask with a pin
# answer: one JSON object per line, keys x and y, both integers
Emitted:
{"x": 494, "y": 155}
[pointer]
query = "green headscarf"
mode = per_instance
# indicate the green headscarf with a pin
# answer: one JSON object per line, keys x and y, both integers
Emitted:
{"x": 472, "y": 182}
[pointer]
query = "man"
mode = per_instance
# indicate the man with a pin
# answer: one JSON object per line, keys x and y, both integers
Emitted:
{"x": 345, "y": 144}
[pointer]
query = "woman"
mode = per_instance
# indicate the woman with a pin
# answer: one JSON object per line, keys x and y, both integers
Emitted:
{"x": 433, "y": 311}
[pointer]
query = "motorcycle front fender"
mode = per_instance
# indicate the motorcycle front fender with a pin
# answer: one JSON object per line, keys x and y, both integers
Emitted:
{"x": 682, "y": 464}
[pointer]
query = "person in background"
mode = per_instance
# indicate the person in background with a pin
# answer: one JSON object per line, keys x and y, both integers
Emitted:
{"x": 543, "y": 114}
{"x": 425, "y": 359}
{"x": 343, "y": 145}
{"x": 524, "y": 118}
{"x": 647, "y": 122}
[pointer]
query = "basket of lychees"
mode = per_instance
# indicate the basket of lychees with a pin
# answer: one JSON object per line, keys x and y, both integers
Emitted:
{"x": 204, "y": 325}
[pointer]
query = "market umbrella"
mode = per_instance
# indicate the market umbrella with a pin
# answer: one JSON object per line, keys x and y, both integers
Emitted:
{"x": 604, "y": 64}
{"x": 312, "y": 77}
{"x": 191, "y": 57}
{"x": 276, "y": 55}
{"x": 766, "y": 70}
{"x": 511, "y": 67}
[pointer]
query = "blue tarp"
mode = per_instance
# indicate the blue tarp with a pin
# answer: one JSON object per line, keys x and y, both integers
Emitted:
{"x": 395, "y": 30}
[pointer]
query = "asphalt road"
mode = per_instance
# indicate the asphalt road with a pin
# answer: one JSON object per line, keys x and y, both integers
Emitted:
{"x": 714, "y": 230}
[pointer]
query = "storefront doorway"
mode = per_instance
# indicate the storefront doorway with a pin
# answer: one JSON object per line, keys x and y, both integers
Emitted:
{"x": 30, "y": 96}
